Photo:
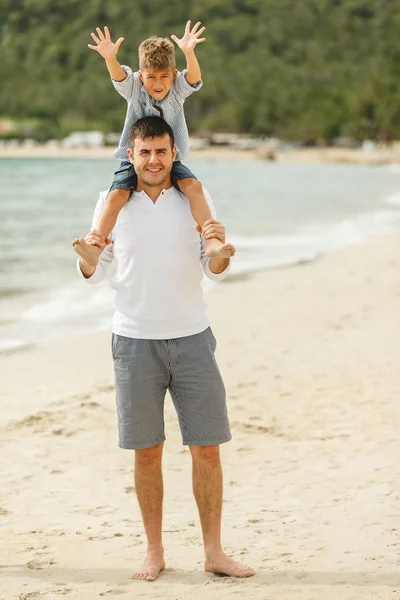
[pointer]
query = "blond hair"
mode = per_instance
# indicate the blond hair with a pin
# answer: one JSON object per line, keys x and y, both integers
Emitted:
{"x": 156, "y": 54}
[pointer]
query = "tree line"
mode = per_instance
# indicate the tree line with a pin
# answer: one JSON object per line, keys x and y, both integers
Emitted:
{"x": 300, "y": 70}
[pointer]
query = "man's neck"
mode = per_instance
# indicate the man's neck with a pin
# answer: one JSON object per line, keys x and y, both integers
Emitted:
{"x": 153, "y": 191}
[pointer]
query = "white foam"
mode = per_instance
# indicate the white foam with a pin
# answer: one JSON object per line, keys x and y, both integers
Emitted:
{"x": 393, "y": 200}
{"x": 11, "y": 344}
{"x": 309, "y": 242}
{"x": 73, "y": 300}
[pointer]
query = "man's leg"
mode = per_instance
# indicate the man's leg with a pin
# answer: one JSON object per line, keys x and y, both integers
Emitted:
{"x": 149, "y": 490}
{"x": 207, "y": 488}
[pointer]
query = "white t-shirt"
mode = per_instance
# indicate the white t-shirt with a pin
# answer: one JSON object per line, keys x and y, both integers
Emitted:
{"x": 159, "y": 259}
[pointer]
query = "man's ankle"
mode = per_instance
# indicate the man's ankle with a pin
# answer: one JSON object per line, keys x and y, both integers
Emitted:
{"x": 155, "y": 549}
{"x": 212, "y": 550}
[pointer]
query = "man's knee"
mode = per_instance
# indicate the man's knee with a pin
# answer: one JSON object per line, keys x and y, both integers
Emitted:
{"x": 149, "y": 456}
{"x": 206, "y": 454}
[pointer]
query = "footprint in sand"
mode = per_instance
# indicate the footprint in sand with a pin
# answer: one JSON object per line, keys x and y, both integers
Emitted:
{"x": 39, "y": 564}
{"x": 64, "y": 432}
{"x": 113, "y": 593}
{"x": 90, "y": 404}
{"x": 105, "y": 388}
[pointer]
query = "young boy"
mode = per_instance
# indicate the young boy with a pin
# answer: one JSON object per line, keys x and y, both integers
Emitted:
{"x": 156, "y": 89}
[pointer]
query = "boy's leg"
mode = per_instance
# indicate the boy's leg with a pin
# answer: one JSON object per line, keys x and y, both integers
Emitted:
{"x": 121, "y": 188}
{"x": 112, "y": 206}
{"x": 200, "y": 210}
{"x": 115, "y": 201}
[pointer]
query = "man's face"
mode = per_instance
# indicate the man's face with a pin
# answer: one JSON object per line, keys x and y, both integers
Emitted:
{"x": 158, "y": 83}
{"x": 153, "y": 159}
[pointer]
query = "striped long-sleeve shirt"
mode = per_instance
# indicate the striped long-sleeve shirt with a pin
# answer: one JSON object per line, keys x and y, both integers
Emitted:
{"x": 141, "y": 104}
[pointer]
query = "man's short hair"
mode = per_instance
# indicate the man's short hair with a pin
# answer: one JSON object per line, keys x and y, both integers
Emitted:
{"x": 156, "y": 54}
{"x": 150, "y": 128}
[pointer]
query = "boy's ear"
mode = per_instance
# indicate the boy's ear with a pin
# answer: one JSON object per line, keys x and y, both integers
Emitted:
{"x": 175, "y": 74}
{"x": 140, "y": 75}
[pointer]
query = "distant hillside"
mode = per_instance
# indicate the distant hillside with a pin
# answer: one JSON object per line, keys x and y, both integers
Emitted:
{"x": 309, "y": 69}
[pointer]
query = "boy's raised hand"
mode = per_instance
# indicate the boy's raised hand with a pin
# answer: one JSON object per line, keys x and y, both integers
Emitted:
{"x": 190, "y": 38}
{"x": 105, "y": 46}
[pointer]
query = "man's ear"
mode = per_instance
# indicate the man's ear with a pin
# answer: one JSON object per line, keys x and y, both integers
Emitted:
{"x": 175, "y": 74}
{"x": 174, "y": 153}
{"x": 130, "y": 155}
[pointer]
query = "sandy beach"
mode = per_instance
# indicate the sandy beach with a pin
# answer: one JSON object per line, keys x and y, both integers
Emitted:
{"x": 379, "y": 156}
{"x": 310, "y": 357}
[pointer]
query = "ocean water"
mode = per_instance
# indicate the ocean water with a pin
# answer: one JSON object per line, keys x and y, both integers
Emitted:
{"x": 275, "y": 214}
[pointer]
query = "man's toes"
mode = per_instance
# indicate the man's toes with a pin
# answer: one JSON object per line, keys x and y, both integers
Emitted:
{"x": 247, "y": 572}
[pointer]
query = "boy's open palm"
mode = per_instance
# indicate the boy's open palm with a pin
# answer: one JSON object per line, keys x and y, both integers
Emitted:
{"x": 105, "y": 46}
{"x": 190, "y": 38}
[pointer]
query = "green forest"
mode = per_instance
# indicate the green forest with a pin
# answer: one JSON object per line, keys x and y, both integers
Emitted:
{"x": 304, "y": 70}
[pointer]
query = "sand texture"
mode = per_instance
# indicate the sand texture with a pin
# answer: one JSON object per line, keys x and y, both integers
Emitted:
{"x": 311, "y": 361}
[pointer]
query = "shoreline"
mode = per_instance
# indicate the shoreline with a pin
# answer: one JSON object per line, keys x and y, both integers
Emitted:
{"x": 13, "y": 305}
{"x": 375, "y": 157}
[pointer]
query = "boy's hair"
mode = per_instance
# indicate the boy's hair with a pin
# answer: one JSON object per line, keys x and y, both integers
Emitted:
{"x": 156, "y": 54}
{"x": 150, "y": 128}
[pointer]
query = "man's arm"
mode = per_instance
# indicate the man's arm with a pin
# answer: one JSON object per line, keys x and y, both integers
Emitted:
{"x": 94, "y": 239}
{"x": 86, "y": 270}
{"x": 214, "y": 229}
{"x": 94, "y": 274}
{"x": 108, "y": 50}
{"x": 187, "y": 44}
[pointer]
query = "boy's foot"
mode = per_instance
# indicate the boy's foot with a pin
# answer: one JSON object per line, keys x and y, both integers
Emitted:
{"x": 150, "y": 569}
{"x": 220, "y": 250}
{"x": 89, "y": 253}
{"x": 224, "y": 565}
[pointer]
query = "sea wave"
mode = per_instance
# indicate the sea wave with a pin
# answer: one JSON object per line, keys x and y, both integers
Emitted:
{"x": 310, "y": 242}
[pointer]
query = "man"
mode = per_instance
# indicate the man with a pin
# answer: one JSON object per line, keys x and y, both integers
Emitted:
{"x": 162, "y": 340}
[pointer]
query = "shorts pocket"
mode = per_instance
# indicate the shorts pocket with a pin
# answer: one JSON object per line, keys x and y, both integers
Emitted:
{"x": 115, "y": 343}
{"x": 211, "y": 338}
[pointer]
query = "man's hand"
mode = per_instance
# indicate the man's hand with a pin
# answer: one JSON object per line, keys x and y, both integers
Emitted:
{"x": 190, "y": 38}
{"x": 212, "y": 229}
{"x": 89, "y": 249}
{"x": 95, "y": 239}
{"x": 105, "y": 46}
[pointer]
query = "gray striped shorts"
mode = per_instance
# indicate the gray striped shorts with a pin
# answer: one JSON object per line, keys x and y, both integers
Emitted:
{"x": 186, "y": 366}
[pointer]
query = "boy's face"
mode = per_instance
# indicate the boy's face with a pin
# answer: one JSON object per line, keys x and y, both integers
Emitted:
{"x": 158, "y": 83}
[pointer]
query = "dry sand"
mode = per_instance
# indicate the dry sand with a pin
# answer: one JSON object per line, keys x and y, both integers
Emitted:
{"x": 380, "y": 156}
{"x": 311, "y": 361}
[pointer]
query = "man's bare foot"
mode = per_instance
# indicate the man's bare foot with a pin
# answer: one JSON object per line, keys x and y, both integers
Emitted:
{"x": 152, "y": 566}
{"x": 223, "y": 564}
{"x": 89, "y": 253}
{"x": 220, "y": 250}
